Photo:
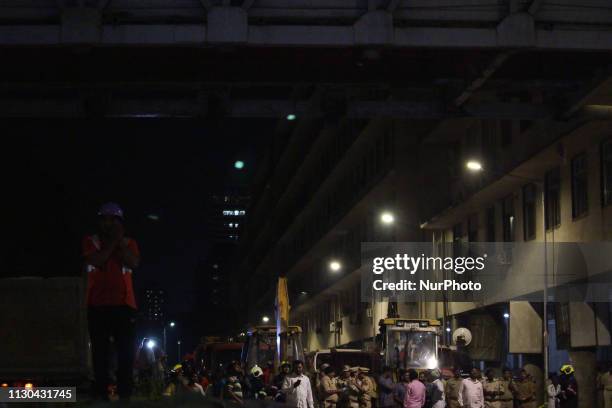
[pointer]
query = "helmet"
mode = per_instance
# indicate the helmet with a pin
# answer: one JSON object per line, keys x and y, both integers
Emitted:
{"x": 567, "y": 369}
{"x": 177, "y": 367}
{"x": 111, "y": 209}
{"x": 256, "y": 371}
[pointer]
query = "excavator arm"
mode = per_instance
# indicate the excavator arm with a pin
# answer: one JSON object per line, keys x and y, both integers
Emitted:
{"x": 282, "y": 320}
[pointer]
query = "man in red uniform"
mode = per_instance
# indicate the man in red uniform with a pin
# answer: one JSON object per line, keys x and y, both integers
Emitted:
{"x": 110, "y": 258}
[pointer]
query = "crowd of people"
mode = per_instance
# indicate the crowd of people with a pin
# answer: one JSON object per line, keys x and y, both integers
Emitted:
{"x": 355, "y": 387}
{"x": 428, "y": 389}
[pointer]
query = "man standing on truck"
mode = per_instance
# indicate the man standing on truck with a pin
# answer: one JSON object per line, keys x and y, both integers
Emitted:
{"x": 110, "y": 257}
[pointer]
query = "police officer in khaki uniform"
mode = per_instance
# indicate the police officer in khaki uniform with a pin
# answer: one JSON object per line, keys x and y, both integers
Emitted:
{"x": 507, "y": 398}
{"x": 493, "y": 390}
{"x": 525, "y": 391}
{"x": 452, "y": 390}
{"x": 318, "y": 377}
{"x": 342, "y": 385}
{"x": 329, "y": 392}
{"x": 365, "y": 386}
{"x": 353, "y": 389}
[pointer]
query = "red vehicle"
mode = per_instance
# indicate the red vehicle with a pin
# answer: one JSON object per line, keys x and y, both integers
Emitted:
{"x": 218, "y": 354}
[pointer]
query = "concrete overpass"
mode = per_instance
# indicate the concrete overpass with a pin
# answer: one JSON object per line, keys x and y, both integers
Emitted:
{"x": 533, "y": 24}
{"x": 421, "y": 59}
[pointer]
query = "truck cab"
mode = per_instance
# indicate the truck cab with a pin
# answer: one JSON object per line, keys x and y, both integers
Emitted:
{"x": 409, "y": 343}
{"x": 261, "y": 345}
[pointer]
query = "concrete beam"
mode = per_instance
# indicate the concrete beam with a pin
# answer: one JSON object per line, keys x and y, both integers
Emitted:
{"x": 227, "y": 25}
{"x": 412, "y": 12}
{"x": 517, "y": 30}
{"x": 309, "y": 35}
{"x": 374, "y": 28}
{"x": 192, "y": 107}
{"x": 487, "y": 73}
{"x": 81, "y": 25}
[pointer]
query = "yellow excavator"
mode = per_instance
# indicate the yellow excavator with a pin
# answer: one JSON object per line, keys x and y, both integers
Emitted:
{"x": 274, "y": 343}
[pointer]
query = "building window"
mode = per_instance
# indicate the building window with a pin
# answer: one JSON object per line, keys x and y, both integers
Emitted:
{"x": 606, "y": 172}
{"x": 508, "y": 218}
{"x": 552, "y": 185}
{"x": 491, "y": 224}
{"x": 457, "y": 233}
{"x": 580, "y": 191}
{"x": 473, "y": 228}
{"x": 529, "y": 211}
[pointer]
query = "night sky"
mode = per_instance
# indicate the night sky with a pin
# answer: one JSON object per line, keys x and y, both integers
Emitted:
{"x": 57, "y": 172}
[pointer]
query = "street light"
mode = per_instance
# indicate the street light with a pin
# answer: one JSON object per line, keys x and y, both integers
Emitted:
{"x": 387, "y": 218}
{"x": 265, "y": 319}
{"x": 335, "y": 266}
{"x": 150, "y": 344}
{"x": 239, "y": 164}
{"x": 291, "y": 117}
{"x": 171, "y": 324}
{"x": 476, "y": 166}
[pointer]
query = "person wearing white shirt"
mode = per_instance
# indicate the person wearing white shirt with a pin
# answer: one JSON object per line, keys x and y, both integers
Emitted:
{"x": 471, "y": 393}
{"x": 438, "y": 397}
{"x": 553, "y": 389}
{"x": 297, "y": 388}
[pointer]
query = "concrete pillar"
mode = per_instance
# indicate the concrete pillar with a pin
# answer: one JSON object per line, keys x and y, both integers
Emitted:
{"x": 525, "y": 330}
{"x": 582, "y": 325}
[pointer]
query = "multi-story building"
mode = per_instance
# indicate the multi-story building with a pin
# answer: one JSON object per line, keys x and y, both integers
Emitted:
{"x": 339, "y": 183}
{"x": 226, "y": 216}
{"x": 571, "y": 172}
{"x": 212, "y": 282}
{"x": 225, "y": 221}
{"x": 155, "y": 306}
